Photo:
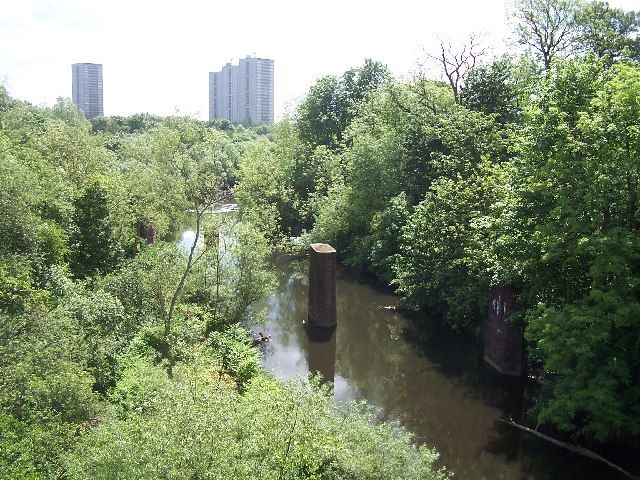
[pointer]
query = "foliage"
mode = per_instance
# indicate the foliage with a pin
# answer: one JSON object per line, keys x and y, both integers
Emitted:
{"x": 46, "y": 392}
{"x": 104, "y": 334}
{"x": 31, "y": 217}
{"x": 531, "y": 182}
{"x": 555, "y": 29}
{"x": 16, "y": 285}
{"x": 262, "y": 192}
{"x": 93, "y": 250}
{"x": 547, "y": 27}
{"x": 579, "y": 257}
{"x": 32, "y": 451}
{"x": 331, "y": 104}
{"x": 237, "y": 357}
{"x": 200, "y": 427}
{"x": 43, "y": 368}
{"x": 607, "y": 32}
{"x": 136, "y": 123}
{"x": 494, "y": 89}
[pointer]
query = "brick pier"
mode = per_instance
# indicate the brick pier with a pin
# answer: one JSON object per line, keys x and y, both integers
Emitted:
{"x": 322, "y": 285}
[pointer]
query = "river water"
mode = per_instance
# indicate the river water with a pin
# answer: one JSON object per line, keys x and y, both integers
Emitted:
{"x": 437, "y": 386}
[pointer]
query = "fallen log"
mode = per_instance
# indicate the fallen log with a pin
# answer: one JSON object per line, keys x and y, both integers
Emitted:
{"x": 585, "y": 452}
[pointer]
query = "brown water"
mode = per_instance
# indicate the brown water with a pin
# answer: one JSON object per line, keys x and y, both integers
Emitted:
{"x": 437, "y": 387}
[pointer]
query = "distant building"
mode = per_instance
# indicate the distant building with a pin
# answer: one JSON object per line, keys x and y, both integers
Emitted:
{"x": 223, "y": 94}
{"x": 243, "y": 92}
{"x": 86, "y": 89}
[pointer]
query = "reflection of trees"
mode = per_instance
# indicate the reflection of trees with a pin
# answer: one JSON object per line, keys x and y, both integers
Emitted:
{"x": 435, "y": 385}
{"x": 439, "y": 399}
{"x": 286, "y": 308}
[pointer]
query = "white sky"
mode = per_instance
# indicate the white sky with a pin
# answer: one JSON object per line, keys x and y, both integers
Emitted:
{"x": 156, "y": 55}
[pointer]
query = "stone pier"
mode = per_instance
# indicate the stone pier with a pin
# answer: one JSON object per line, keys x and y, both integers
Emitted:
{"x": 322, "y": 286}
{"x": 503, "y": 341}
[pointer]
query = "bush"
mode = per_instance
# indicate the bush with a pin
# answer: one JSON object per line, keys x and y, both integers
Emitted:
{"x": 200, "y": 427}
{"x": 237, "y": 357}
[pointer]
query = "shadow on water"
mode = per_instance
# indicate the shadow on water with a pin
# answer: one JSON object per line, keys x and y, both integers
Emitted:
{"x": 434, "y": 383}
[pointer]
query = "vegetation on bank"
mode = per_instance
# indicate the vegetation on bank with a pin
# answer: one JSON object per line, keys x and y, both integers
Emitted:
{"x": 521, "y": 171}
{"x": 121, "y": 358}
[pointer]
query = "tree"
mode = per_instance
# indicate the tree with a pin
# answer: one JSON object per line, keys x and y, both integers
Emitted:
{"x": 456, "y": 65}
{"x": 330, "y": 105}
{"x": 194, "y": 157}
{"x": 572, "y": 247}
{"x": 607, "y": 32}
{"x": 93, "y": 249}
{"x": 548, "y": 27}
{"x": 66, "y": 110}
{"x": 6, "y": 101}
{"x": 320, "y": 116}
{"x": 198, "y": 426}
{"x": 493, "y": 89}
{"x": 358, "y": 82}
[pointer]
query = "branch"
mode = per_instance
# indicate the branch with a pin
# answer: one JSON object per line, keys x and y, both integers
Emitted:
{"x": 397, "y": 102}
{"x": 585, "y": 452}
{"x": 187, "y": 269}
{"x": 178, "y": 291}
{"x": 456, "y": 65}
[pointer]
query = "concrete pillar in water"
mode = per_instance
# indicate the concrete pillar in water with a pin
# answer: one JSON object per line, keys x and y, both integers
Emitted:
{"x": 322, "y": 285}
{"x": 503, "y": 341}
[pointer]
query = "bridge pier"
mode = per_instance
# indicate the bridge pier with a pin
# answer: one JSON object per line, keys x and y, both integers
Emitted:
{"x": 322, "y": 286}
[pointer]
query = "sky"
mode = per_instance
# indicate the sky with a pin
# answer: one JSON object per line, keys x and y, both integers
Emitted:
{"x": 156, "y": 54}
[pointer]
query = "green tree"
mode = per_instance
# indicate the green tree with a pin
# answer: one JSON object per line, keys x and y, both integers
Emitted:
{"x": 574, "y": 250}
{"x": 93, "y": 250}
{"x": 331, "y": 104}
{"x": 608, "y": 32}
{"x": 199, "y": 426}
{"x": 65, "y": 110}
{"x": 494, "y": 89}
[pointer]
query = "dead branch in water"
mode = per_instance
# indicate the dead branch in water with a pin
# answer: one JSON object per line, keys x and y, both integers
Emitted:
{"x": 585, "y": 452}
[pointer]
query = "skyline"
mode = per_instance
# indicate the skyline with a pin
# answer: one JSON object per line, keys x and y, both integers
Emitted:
{"x": 156, "y": 55}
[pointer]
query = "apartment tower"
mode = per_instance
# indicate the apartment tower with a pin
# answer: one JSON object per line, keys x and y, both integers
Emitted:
{"x": 223, "y": 94}
{"x": 242, "y": 92}
{"x": 86, "y": 89}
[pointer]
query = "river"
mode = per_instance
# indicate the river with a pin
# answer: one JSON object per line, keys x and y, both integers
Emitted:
{"x": 437, "y": 386}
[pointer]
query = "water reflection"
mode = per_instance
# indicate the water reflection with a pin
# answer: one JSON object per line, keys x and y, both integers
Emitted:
{"x": 434, "y": 383}
{"x": 187, "y": 238}
{"x": 321, "y": 351}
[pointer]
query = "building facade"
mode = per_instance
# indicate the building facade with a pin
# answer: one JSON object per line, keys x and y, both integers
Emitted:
{"x": 86, "y": 89}
{"x": 223, "y": 94}
{"x": 243, "y": 92}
